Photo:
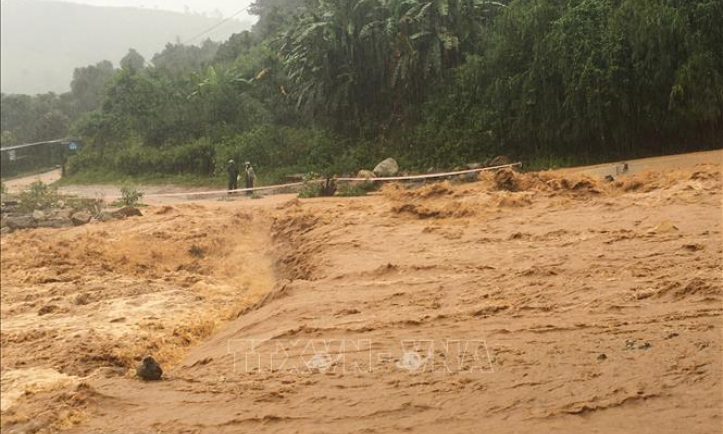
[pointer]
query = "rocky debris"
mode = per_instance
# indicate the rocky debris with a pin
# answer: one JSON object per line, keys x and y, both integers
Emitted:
{"x": 602, "y": 357}
{"x": 61, "y": 213}
{"x": 104, "y": 216}
{"x": 149, "y": 370}
{"x": 631, "y": 345}
{"x": 126, "y": 211}
{"x": 82, "y": 299}
{"x": 368, "y": 174}
{"x": 386, "y": 168}
{"x": 21, "y": 222}
{"x": 693, "y": 247}
{"x": 664, "y": 227}
{"x": 48, "y": 308}
{"x": 56, "y": 223}
{"x": 60, "y": 218}
{"x": 80, "y": 218}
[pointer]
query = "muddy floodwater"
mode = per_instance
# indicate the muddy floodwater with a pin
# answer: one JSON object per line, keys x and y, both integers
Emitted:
{"x": 546, "y": 302}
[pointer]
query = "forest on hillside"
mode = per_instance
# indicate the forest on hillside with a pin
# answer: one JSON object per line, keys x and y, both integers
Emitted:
{"x": 335, "y": 85}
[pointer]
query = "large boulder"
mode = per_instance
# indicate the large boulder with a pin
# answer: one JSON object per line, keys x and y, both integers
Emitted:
{"x": 80, "y": 218}
{"x": 386, "y": 168}
{"x": 21, "y": 222}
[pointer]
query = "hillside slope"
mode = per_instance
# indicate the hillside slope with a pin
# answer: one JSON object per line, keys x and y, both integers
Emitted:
{"x": 43, "y": 41}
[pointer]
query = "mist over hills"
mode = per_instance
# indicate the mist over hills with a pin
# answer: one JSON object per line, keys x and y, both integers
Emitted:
{"x": 44, "y": 41}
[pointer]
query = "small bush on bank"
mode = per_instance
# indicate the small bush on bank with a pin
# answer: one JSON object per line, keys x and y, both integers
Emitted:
{"x": 39, "y": 196}
{"x": 42, "y": 197}
{"x": 130, "y": 196}
{"x": 356, "y": 189}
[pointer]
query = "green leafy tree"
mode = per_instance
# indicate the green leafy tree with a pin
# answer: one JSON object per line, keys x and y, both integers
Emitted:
{"x": 133, "y": 61}
{"x": 89, "y": 85}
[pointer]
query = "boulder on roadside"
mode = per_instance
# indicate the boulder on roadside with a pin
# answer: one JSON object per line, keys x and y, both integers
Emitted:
{"x": 368, "y": 174}
{"x": 126, "y": 211}
{"x": 21, "y": 222}
{"x": 80, "y": 218}
{"x": 386, "y": 168}
{"x": 39, "y": 215}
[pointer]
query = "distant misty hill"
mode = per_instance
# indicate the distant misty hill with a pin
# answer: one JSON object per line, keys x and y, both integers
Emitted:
{"x": 44, "y": 41}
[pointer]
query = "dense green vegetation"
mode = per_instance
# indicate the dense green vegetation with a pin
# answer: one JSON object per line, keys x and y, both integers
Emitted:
{"x": 335, "y": 85}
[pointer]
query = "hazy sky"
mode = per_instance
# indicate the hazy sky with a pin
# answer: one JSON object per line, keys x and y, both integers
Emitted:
{"x": 211, "y": 7}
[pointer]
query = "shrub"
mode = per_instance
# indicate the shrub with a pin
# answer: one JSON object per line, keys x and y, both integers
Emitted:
{"x": 356, "y": 189}
{"x": 130, "y": 196}
{"x": 38, "y": 196}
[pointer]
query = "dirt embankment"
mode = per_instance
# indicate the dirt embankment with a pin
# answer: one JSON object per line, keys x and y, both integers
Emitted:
{"x": 518, "y": 302}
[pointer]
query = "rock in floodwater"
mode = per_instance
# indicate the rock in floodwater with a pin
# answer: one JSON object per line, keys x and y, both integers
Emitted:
{"x": 80, "y": 218}
{"x": 126, "y": 211}
{"x": 149, "y": 369}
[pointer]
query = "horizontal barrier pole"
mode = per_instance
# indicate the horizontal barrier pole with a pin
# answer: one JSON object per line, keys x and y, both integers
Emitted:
{"x": 431, "y": 175}
{"x": 238, "y": 190}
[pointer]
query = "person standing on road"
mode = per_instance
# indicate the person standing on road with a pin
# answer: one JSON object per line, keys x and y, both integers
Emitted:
{"x": 232, "y": 176}
{"x": 250, "y": 177}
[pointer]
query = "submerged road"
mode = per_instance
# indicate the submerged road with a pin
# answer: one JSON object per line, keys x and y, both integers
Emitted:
{"x": 111, "y": 192}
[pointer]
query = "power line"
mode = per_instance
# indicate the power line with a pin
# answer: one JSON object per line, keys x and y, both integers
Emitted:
{"x": 215, "y": 26}
{"x": 222, "y": 22}
{"x": 27, "y": 145}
